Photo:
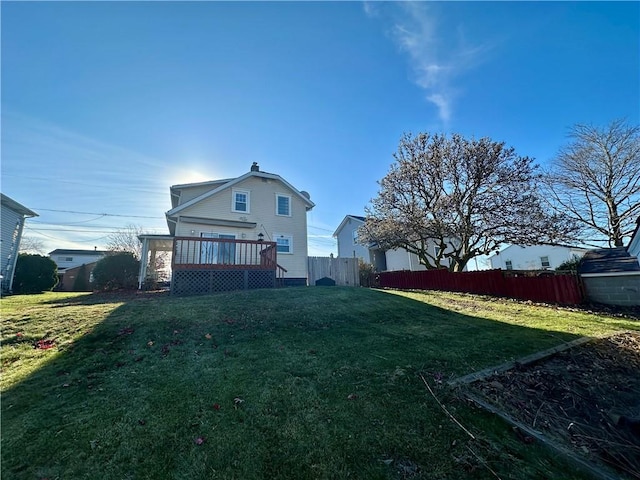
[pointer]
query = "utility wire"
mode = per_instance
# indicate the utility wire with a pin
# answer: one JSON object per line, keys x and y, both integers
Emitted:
{"x": 96, "y": 213}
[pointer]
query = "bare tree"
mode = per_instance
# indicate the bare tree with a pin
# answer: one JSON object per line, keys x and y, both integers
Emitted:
{"x": 596, "y": 180}
{"x": 126, "y": 240}
{"x": 466, "y": 196}
{"x": 32, "y": 245}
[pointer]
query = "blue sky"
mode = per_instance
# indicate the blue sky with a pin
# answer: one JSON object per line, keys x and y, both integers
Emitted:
{"x": 105, "y": 105}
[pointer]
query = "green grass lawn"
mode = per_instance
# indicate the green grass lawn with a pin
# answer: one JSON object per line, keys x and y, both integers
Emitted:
{"x": 289, "y": 383}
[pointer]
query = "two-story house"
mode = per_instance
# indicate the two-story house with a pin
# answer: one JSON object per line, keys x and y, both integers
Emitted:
{"x": 235, "y": 233}
{"x": 71, "y": 258}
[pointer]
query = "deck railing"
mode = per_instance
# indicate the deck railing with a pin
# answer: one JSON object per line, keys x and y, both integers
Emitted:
{"x": 194, "y": 253}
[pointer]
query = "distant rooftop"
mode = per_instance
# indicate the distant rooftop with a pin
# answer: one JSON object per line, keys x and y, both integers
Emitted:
{"x": 63, "y": 251}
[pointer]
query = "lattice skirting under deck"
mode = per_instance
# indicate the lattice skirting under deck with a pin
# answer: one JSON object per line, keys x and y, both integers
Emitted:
{"x": 195, "y": 282}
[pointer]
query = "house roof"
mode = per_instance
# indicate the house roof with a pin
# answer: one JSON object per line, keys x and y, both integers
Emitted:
{"x": 228, "y": 184}
{"x": 16, "y": 207}
{"x": 64, "y": 251}
{"x": 605, "y": 260}
{"x": 345, "y": 220}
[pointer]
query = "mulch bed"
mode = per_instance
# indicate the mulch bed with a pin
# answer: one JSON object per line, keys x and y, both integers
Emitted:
{"x": 586, "y": 398}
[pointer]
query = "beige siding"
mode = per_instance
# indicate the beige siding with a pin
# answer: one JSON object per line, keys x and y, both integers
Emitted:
{"x": 262, "y": 211}
{"x": 189, "y": 193}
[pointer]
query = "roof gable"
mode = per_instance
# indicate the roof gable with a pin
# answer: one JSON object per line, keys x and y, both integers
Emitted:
{"x": 345, "y": 221}
{"x": 217, "y": 189}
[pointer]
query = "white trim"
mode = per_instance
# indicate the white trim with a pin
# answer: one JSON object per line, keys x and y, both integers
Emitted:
{"x": 611, "y": 274}
{"x": 288, "y": 197}
{"x": 285, "y": 236}
{"x": 234, "y": 191}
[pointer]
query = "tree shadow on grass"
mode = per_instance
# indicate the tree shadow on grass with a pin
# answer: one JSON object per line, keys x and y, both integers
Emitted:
{"x": 96, "y": 298}
{"x": 282, "y": 383}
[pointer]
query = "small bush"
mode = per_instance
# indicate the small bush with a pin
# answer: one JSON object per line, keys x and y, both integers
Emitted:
{"x": 116, "y": 272}
{"x": 34, "y": 274}
{"x": 81, "y": 284}
{"x": 366, "y": 272}
{"x": 570, "y": 265}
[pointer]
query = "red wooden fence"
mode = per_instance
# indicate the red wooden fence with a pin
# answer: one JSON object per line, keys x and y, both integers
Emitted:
{"x": 545, "y": 288}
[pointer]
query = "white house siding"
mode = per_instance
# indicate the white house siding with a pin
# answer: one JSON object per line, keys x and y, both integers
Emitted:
{"x": 77, "y": 259}
{"x": 400, "y": 259}
{"x": 12, "y": 223}
{"x": 262, "y": 208}
{"x": 346, "y": 246}
{"x": 529, "y": 257}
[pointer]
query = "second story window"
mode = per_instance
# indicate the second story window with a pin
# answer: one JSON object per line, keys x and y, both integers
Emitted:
{"x": 509, "y": 265}
{"x": 283, "y": 205}
{"x": 240, "y": 201}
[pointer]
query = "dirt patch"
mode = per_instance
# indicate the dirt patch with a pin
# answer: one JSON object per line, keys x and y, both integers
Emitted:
{"x": 586, "y": 398}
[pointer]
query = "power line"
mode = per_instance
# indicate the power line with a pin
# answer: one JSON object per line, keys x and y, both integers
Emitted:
{"x": 320, "y": 228}
{"x": 95, "y": 213}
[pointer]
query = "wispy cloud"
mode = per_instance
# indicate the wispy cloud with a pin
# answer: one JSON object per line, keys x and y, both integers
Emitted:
{"x": 437, "y": 54}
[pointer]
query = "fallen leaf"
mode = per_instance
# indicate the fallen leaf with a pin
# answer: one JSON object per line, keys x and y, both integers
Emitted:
{"x": 352, "y": 396}
{"x": 18, "y": 334}
{"x": 216, "y": 406}
{"x": 150, "y": 343}
{"x": 208, "y": 336}
{"x": 44, "y": 344}
{"x": 200, "y": 440}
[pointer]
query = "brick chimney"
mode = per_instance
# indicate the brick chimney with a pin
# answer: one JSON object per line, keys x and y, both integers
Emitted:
{"x": 255, "y": 167}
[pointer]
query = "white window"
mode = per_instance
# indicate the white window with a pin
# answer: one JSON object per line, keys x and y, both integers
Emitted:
{"x": 544, "y": 261}
{"x": 355, "y": 236}
{"x": 240, "y": 201}
{"x": 283, "y": 205}
{"x": 284, "y": 243}
{"x": 508, "y": 264}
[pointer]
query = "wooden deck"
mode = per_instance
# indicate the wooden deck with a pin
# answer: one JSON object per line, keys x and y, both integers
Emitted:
{"x": 206, "y": 265}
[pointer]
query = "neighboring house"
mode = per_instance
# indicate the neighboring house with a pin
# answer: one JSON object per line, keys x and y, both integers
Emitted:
{"x": 247, "y": 227}
{"x": 69, "y": 261}
{"x": 401, "y": 259}
{"x": 66, "y": 259}
{"x": 13, "y": 216}
{"x": 634, "y": 244}
{"x": 534, "y": 257}
{"x": 67, "y": 282}
{"x": 347, "y": 236}
{"x": 389, "y": 260}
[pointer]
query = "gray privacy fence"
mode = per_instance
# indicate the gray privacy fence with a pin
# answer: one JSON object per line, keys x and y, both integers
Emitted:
{"x": 344, "y": 271}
